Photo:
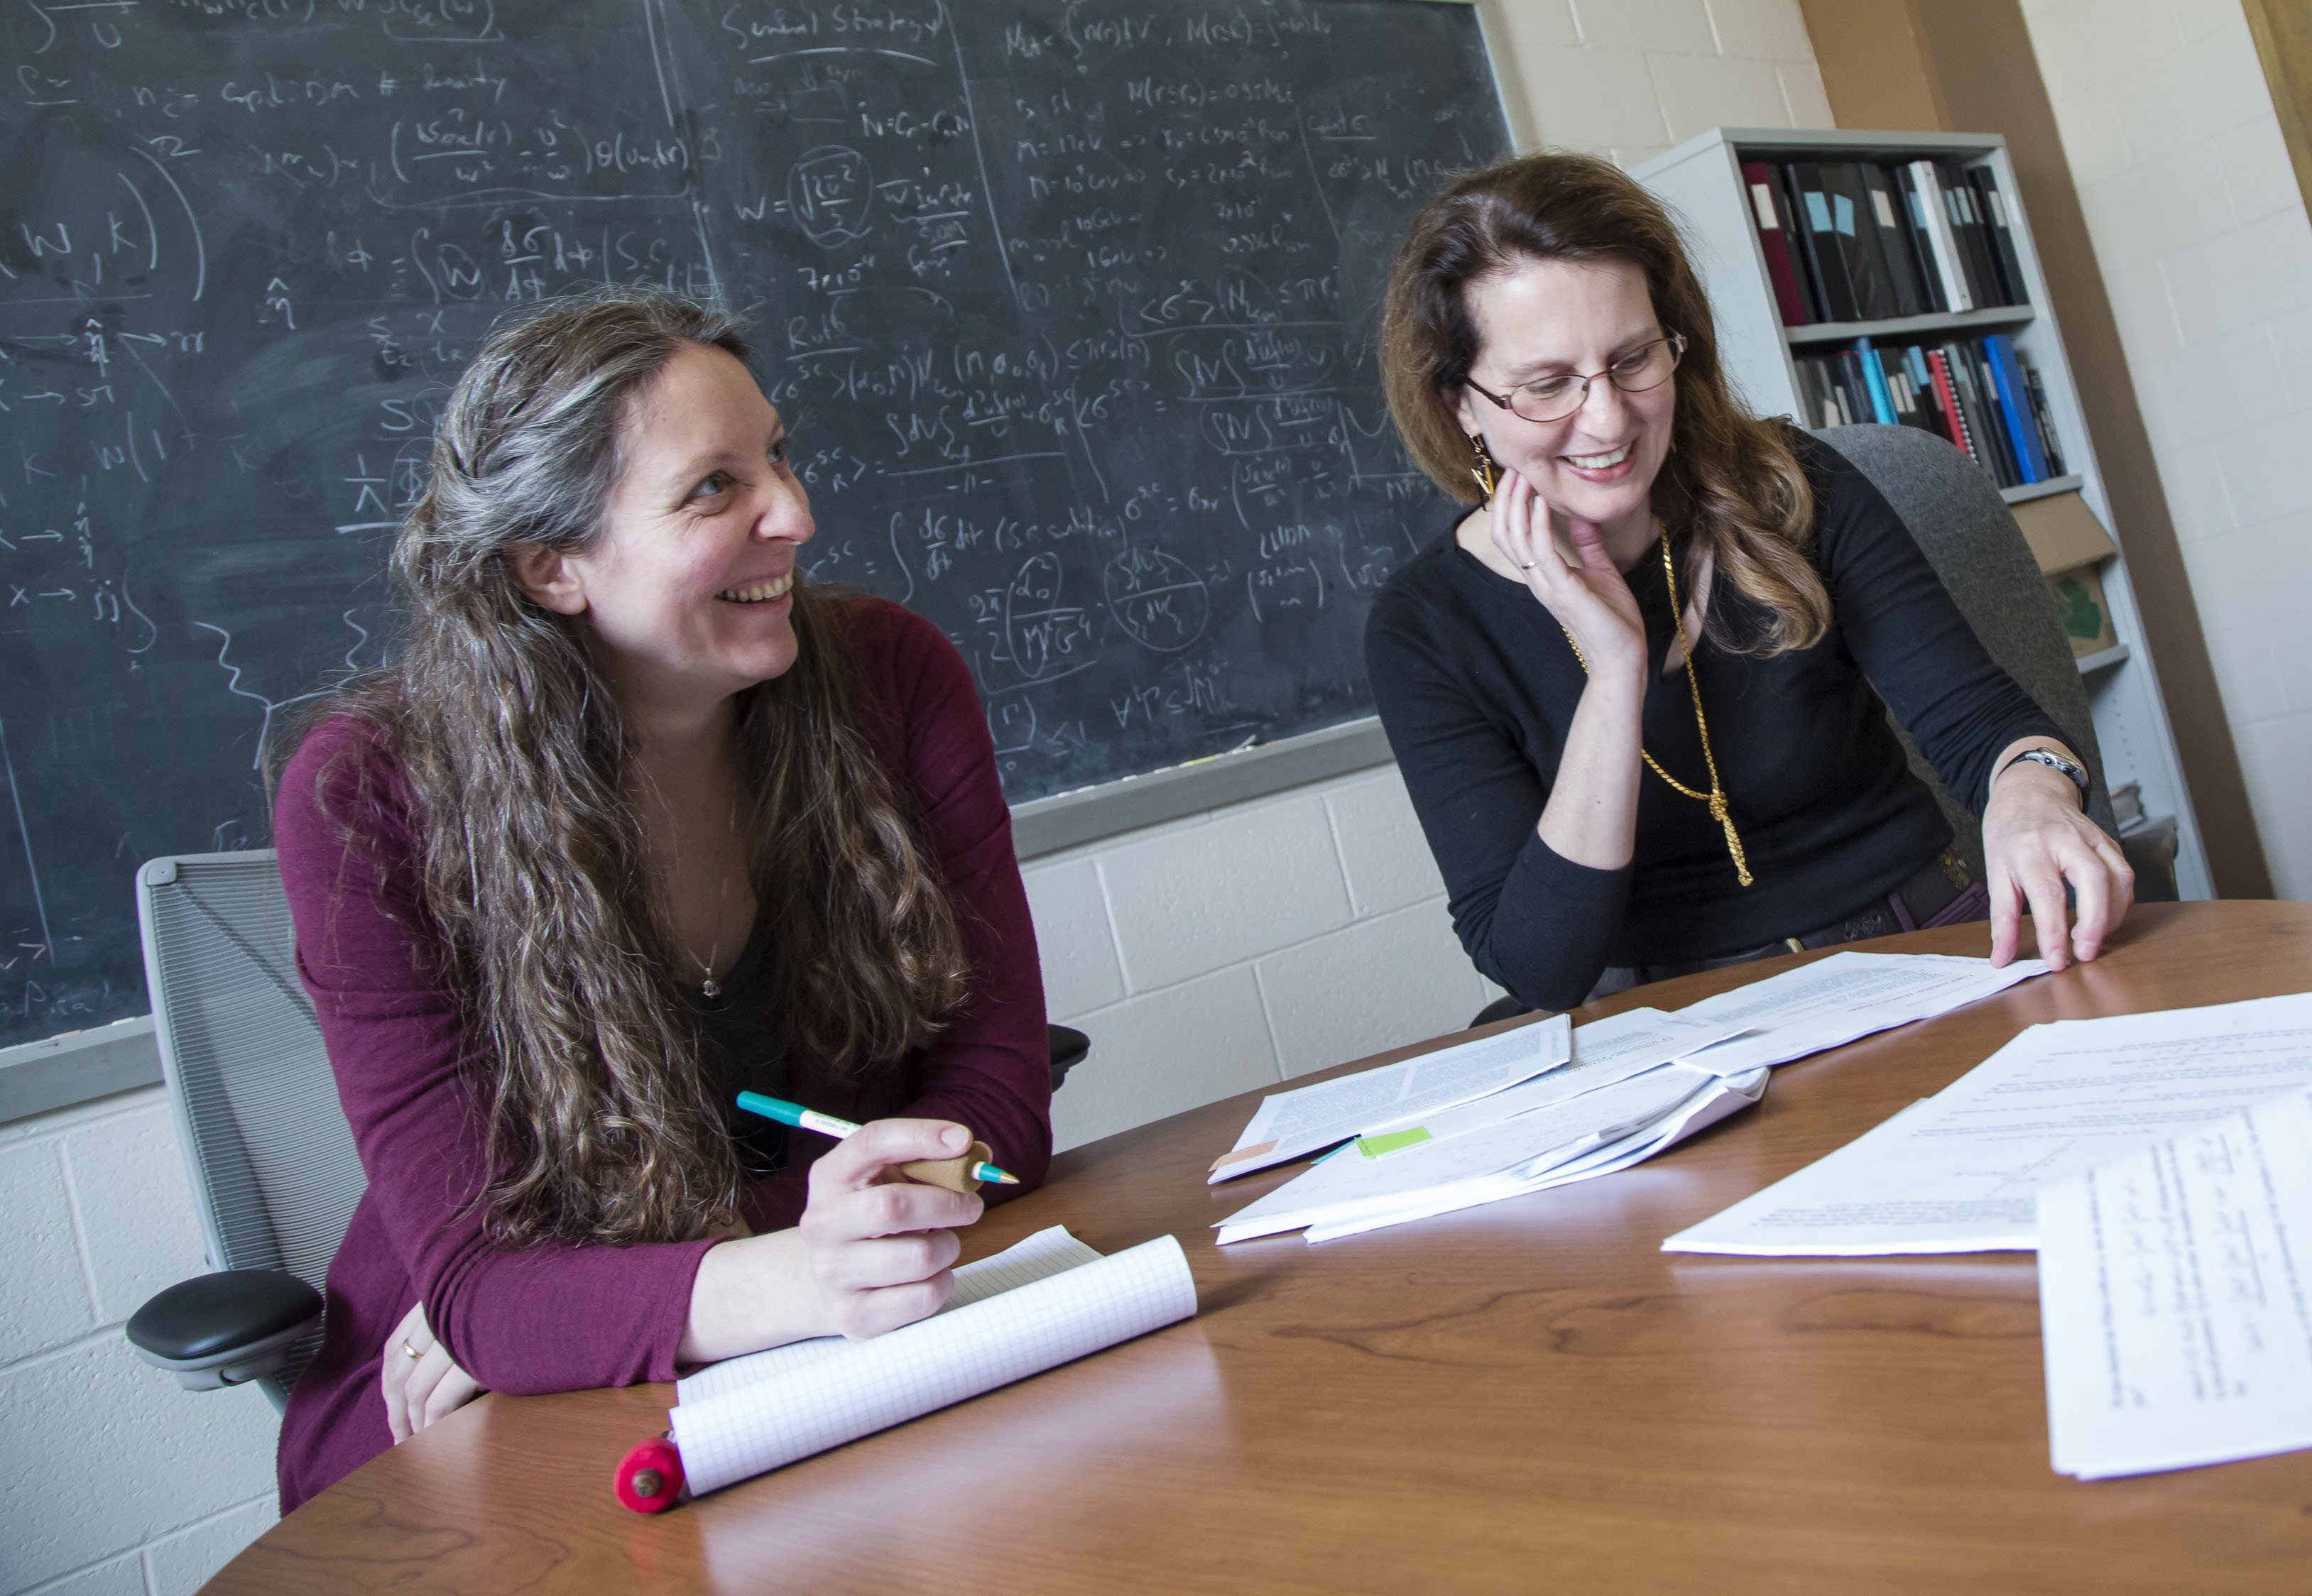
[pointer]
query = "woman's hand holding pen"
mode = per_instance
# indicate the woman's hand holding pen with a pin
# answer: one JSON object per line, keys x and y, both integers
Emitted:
{"x": 872, "y": 1252}
{"x": 881, "y": 1248}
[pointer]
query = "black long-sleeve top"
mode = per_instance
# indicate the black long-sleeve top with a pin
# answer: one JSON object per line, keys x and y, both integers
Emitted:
{"x": 1477, "y": 686}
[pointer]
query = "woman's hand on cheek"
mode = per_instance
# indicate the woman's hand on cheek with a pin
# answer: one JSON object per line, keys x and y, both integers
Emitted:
{"x": 2034, "y": 841}
{"x": 1591, "y": 600}
{"x": 879, "y": 1246}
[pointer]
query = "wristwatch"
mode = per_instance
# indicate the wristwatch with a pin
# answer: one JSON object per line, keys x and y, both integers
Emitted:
{"x": 2055, "y": 761}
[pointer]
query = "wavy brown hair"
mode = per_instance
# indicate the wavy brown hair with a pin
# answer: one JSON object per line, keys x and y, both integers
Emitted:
{"x": 1731, "y": 480}
{"x": 602, "y": 1124}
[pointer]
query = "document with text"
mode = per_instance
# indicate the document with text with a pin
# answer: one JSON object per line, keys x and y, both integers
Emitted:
{"x": 1352, "y": 1190}
{"x": 1840, "y": 999}
{"x": 2175, "y": 1299}
{"x": 1960, "y": 1171}
{"x": 1289, "y": 1125}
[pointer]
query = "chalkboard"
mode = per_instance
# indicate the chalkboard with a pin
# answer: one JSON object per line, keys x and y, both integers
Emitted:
{"x": 1069, "y": 306}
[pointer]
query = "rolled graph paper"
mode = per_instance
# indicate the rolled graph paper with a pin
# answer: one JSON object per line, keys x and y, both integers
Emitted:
{"x": 1046, "y": 1252}
{"x": 856, "y": 1389}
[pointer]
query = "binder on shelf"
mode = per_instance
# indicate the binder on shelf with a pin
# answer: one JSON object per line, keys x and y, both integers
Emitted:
{"x": 1787, "y": 208}
{"x": 2015, "y": 405}
{"x": 1974, "y": 244}
{"x": 1947, "y": 396}
{"x": 1817, "y": 231}
{"x": 1856, "y": 235}
{"x": 1893, "y": 234}
{"x": 2050, "y": 449}
{"x": 1940, "y": 237}
{"x": 1993, "y": 205}
{"x": 1874, "y": 380}
{"x": 1973, "y": 398}
{"x": 1770, "y": 213}
{"x": 1921, "y": 239}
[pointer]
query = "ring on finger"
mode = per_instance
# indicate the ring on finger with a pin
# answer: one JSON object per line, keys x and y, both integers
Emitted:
{"x": 413, "y": 1353}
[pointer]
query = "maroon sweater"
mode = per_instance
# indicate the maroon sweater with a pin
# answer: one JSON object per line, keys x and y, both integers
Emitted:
{"x": 408, "y": 1061}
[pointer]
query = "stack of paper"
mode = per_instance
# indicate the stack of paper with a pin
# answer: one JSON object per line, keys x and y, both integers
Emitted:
{"x": 1043, "y": 1302}
{"x": 1959, "y": 1171}
{"x": 1618, "y": 1098}
{"x": 1592, "y": 1134}
{"x": 1289, "y": 1125}
{"x": 2175, "y": 1299}
{"x": 1839, "y": 999}
{"x": 1633, "y": 1085}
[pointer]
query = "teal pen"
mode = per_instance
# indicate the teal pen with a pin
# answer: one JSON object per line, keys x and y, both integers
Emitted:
{"x": 810, "y": 1119}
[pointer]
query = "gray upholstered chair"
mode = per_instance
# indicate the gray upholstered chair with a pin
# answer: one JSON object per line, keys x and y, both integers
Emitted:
{"x": 1971, "y": 539}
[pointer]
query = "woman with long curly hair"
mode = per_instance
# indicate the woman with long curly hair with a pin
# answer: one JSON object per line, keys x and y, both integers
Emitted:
{"x": 637, "y": 820}
{"x": 1630, "y": 690}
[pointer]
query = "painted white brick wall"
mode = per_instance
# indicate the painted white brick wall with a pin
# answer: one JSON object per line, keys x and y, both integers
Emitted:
{"x": 1232, "y": 950}
{"x": 145, "y": 1488}
{"x": 1206, "y": 957}
{"x": 1629, "y": 78}
{"x": 2201, "y": 231}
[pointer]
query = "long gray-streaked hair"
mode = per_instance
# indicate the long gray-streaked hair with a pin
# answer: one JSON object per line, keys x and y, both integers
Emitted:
{"x": 601, "y": 1124}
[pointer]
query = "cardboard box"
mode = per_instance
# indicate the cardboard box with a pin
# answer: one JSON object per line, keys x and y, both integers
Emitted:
{"x": 2086, "y": 618}
{"x": 2068, "y": 544}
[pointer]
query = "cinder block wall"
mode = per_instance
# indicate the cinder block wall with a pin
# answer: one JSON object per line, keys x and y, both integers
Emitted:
{"x": 124, "y": 1483}
{"x": 1206, "y": 957}
{"x": 1245, "y": 947}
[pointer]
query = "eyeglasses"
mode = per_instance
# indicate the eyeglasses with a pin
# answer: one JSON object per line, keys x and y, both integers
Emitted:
{"x": 1553, "y": 398}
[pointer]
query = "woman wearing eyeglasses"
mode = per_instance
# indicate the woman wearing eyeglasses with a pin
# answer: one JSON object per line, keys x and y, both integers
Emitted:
{"x": 1631, "y": 689}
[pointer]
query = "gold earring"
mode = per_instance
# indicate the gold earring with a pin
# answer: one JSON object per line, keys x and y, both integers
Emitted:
{"x": 1482, "y": 471}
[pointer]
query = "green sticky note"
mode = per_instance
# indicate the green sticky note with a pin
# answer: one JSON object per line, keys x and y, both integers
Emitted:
{"x": 1373, "y": 1147}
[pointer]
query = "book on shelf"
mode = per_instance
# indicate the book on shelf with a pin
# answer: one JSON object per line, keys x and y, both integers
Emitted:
{"x": 1855, "y": 240}
{"x": 1981, "y": 394}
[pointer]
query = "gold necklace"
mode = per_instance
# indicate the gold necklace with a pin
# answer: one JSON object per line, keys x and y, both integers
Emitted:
{"x": 1716, "y": 796}
{"x": 710, "y": 989}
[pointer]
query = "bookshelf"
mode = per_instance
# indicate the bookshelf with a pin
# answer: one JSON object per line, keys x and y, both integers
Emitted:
{"x": 1701, "y": 181}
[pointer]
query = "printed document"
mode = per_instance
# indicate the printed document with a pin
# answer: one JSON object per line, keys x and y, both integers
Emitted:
{"x": 1839, "y": 999}
{"x": 1605, "y": 1051}
{"x": 1434, "y": 1176}
{"x": 1960, "y": 1170}
{"x": 1289, "y": 1125}
{"x": 1713, "y": 1100}
{"x": 2175, "y": 1298}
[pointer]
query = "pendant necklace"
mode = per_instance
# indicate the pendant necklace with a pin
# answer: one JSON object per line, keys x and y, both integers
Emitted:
{"x": 1716, "y": 796}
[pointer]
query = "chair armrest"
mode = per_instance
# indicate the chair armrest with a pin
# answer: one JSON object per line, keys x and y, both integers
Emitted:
{"x": 224, "y": 1329}
{"x": 1068, "y": 1045}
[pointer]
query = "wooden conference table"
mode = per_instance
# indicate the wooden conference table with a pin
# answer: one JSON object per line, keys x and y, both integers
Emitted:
{"x": 1522, "y": 1397}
